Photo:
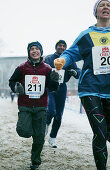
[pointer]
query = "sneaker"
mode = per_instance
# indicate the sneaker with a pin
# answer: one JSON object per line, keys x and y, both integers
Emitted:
{"x": 52, "y": 142}
{"x": 46, "y": 130}
{"x": 34, "y": 167}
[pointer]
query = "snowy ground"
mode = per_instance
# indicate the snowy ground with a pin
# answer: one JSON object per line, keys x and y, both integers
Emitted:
{"x": 74, "y": 150}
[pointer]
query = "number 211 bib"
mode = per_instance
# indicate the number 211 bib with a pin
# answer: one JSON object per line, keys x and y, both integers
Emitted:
{"x": 34, "y": 85}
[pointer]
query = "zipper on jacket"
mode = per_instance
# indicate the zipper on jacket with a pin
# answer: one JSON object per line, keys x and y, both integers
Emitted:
{"x": 34, "y": 103}
{"x": 34, "y": 68}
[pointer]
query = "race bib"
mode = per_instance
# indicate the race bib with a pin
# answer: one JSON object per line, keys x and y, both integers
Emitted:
{"x": 61, "y": 75}
{"x": 34, "y": 85}
{"x": 101, "y": 59}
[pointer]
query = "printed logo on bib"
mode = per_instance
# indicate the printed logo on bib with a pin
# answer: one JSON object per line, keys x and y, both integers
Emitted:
{"x": 34, "y": 85}
{"x": 101, "y": 59}
{"x": 103, "y": 40}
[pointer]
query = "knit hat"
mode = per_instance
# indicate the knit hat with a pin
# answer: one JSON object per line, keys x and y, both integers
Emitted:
{"x": 36, "y": 43}
{"x": 96, "y": 5}
{"x": 60, "y": 41}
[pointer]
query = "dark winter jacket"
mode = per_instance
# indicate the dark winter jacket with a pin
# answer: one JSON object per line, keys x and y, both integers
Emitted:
{"x": 28, "y": 68}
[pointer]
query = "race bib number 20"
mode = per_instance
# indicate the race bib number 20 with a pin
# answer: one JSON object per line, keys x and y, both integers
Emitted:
{"x": 34, "y": 85}
{"x": 101, "y": 59}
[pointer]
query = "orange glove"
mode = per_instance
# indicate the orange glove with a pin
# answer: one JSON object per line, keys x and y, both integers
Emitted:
{"x": 59, "y": 63}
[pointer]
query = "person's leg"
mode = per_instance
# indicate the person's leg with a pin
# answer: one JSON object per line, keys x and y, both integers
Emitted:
{"x": 95, "y": 114}
{"x": 60, "y": 103}
{"x": 39, "y": 124}
{"x": 51, "y": 109}
{"x": 24, "y": 123}
{"x": 106, "y": 107}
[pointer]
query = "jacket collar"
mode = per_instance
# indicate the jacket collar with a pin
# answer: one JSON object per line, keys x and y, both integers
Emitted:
{"x": 103, "y": 29}
{"x": 35, "y": 64}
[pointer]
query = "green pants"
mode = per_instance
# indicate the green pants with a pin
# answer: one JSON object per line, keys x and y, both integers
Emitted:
{"x": 32, "y": 122}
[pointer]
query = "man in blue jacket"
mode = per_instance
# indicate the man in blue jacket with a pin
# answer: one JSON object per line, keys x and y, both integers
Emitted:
{"x": 56, "y": 100}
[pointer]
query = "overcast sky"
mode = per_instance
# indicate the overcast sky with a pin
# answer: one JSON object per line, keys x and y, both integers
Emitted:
{"x": 23, "y": 21}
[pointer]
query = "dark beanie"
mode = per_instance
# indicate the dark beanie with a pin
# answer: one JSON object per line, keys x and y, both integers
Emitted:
{"x": 60, "y": 41}
{"x": 36, "y": 43}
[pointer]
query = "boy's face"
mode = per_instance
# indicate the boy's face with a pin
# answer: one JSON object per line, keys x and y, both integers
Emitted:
{"x": 35, "y": 53}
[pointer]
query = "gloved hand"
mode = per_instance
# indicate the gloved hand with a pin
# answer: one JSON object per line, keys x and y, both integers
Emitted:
{"x": 59, "y": 63}
{"x": 72, "y": 72}
{"x": 54, "y": 76}
{"x": 19, "y": 88}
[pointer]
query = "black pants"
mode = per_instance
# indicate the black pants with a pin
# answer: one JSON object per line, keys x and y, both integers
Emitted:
{"x": 56, "y": 103}
{"x": 98, "y": 113}
{"x": 32, "y": 122}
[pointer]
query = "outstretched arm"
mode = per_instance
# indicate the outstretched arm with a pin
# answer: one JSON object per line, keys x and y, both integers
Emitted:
{"x": 68, "y": 57}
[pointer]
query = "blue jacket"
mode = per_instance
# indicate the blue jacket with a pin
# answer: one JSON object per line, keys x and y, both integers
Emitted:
{"x": 82, "y": 49}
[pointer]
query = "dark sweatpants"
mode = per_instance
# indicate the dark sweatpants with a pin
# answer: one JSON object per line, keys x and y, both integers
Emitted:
{"x": 98, "y": 113}
{"x": 32, "y": 122}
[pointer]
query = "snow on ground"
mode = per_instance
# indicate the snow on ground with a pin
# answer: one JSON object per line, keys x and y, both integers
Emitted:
{"x": 74, "y": 150}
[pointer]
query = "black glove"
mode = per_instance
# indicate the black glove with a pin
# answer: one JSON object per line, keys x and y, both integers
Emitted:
{"x": 72, "y": 72}
{"x": 54, "y": 76}
{"x": 19, "y": 88}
